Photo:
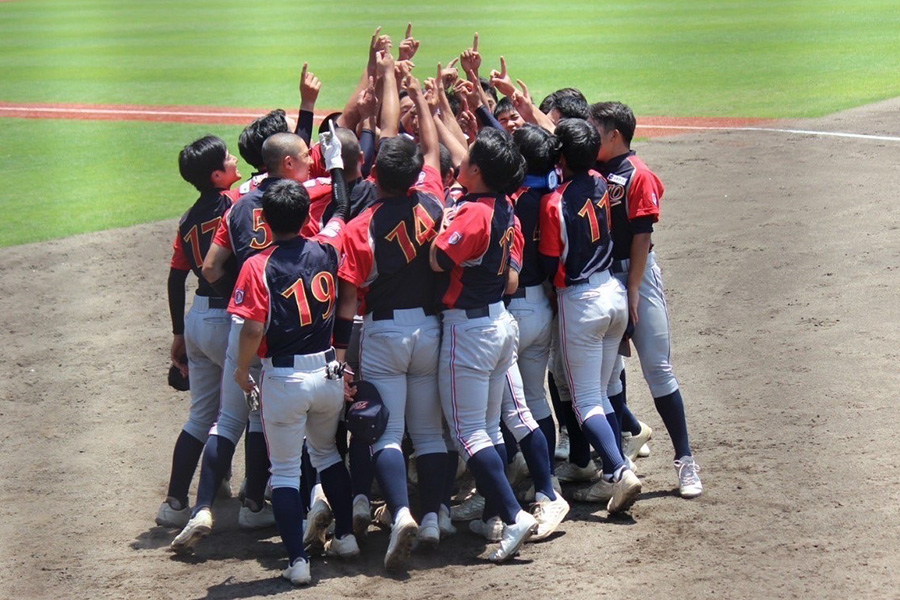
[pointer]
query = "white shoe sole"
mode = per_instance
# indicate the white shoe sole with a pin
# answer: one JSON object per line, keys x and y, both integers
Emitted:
{"x": 186, "y": 545}
{"x": 624, "y": 499}
{"x": 397, "y": 557}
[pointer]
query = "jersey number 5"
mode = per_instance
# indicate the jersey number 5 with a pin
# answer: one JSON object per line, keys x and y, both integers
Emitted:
{"x": 259, "y": 223}
{"x": 323, "y": 290}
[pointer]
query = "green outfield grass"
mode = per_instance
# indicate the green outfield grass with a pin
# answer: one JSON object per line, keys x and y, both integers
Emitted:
{"x": 663, "y": 57}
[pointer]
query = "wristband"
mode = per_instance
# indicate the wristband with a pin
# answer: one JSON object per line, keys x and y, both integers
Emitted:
{"x": 342, "y": 330}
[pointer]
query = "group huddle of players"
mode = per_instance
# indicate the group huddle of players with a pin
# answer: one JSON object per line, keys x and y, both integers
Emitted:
{"x": 459, "y": 253}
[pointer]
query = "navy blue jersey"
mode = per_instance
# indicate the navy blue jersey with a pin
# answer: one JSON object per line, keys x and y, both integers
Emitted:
{"x": 574, "y": 225}
{"x": 292, "y": 288}
{"x": 244, "y": 230}
{"x": 476, "y": 250}
{"x": 528, "y": 205}
{"x": 195, "y": 235}
{"x": 386, "y": 248}
{"x": 634, "y": 196}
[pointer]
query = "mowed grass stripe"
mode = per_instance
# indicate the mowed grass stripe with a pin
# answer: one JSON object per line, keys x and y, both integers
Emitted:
{"x": 678, "y": 58}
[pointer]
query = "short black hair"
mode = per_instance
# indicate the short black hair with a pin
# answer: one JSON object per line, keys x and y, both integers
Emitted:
{"x": 501, "y": 164}
{"x": 504, "y": 106}
{"x": 539, "y": 148}
{"x": 198, "y": 160}
{"x": 398, "y": 164}
{"x": 580, "y": 143}
{"x": 285, "y": 206}
{"x": 252, "y": 138}
{"x": 349, "y": 148}
{"x": 572, "y": 107}
{"x": 446, "y": 161}
{"x": 277, "y": 147}
{"x": 615, "y": 115}
{"x": 548, "y": 103}
{"x": 488, "y": 88}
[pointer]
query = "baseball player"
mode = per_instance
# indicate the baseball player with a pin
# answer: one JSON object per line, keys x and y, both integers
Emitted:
{"x": 479, "y": 335}
{"x": 241, "y": 234}
{"x": 386, "y": 264}
{"x": 635, "y": 193}
{"x": 286, "y": 296}
{"x": 209, "y": 167}
{"x": 577, "y": 247}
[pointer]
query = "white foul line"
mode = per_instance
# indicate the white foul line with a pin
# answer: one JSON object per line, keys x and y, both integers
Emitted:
{"x": 865, "y": 136}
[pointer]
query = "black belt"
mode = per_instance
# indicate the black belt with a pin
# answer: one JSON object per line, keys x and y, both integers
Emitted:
{"x": 287, "y": 360}
{"x": 216, "y": 302}
{"x": 477, "y": 313}
{"x": 386, "y": 314}
{"x": 519, "y": 293}
{"x": 620, "y": 266}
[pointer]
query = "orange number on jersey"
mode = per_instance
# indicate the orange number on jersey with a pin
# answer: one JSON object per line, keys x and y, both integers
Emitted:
{"x": 259, "y": 223}
{"x": 505, "y": 244}
{"x": 587, "y": 211}
{"x": 400, "y": 234}
{"x": 424, "y": 225}
{"x": 323, "y": 290}
{"x": 193, "y": 238}
{"x": 299, "y": 293}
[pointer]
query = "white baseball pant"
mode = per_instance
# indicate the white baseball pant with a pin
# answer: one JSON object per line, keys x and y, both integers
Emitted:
{"x": 205, "y": 336}
{"x": 233, "y": 410}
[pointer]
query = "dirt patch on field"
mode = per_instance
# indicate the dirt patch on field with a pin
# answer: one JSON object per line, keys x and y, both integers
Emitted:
{"x": 782, "y": 263}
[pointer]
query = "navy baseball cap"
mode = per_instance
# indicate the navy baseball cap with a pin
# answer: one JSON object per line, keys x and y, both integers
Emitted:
{"x": 367, "y": 416}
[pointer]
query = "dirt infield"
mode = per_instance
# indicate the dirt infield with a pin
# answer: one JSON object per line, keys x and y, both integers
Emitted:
{"x": 216, "y": 115}
{"x": 782, "y": 264}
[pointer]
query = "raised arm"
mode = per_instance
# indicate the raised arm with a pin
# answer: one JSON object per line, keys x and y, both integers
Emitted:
{"x": 428, "y": 136}
{"x": 390, "y": 98}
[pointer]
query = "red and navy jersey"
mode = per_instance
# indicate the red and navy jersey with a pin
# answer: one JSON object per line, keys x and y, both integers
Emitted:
{"x": 574, "y": 224}
{"x": 476, "y": 249}
{"x": 292, "y": 288}
{"x": 246, "y": 187}
{"x": 634, "y": 195}
{"x": 363, "y": 194}
{"x": 321, "y": 205}
{"x": 528, "y": 205}
{"x": 195, "y": 234}
{"x": 386, "y": 248}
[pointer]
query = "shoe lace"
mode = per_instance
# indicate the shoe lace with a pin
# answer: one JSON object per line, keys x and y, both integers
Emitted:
{"x": 687, "y": 471}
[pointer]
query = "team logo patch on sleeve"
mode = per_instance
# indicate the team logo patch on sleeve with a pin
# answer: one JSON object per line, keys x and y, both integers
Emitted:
{"x": 238, "y": 296}
{"x": 455, "y": 238}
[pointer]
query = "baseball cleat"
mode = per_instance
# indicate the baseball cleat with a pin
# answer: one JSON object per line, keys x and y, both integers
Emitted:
{"x": 528, "y": 495}
{"x": 689, "y": 485}
{"x": 514, "y": 536}
{"x": 601, "y": 491}
{"x": 444, "y": 522}
{"x": 383, "y": 517}
{"x": 644, "y": 452}
{"x": 344, "y": 547}
{"x": 571, "y": 472}
{"x": 255, "y": 519}
{"x": 317, "y": 521}
{"x": 491, "y": 530}
{"x": 548, "y": 514}
{"x": 196, "y": 529}
{"x": 631, "y": 444}
{"x": 298, "y": 572}
{"x": 403, "y": 534}
{"x": 562, "y": 445}
{"x": 362, "y": 516}
{"x": 517, "y": 470}
{"x": 412, "y": 470}
{"x": 429, "y": 532}
{"x": 470, "y": 509}
{"x": 625, "y": 492}
{"x": 167, "y": 516}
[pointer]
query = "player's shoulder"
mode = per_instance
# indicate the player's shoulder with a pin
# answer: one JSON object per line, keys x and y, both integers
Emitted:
{"x": 318, "y": 186}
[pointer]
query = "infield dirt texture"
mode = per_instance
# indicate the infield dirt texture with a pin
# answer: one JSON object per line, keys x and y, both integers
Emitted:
{"x": 782, "y": 264}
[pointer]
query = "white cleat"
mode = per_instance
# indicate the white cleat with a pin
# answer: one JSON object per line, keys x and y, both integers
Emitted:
{"x": 470, "y": 509}
{"x": 601, "y": 491}
{"x": 176, "y": 518}
{"x": 517, "y": 470}
{"x": 549, "y": 514}
{"x": 631, "y": 444}
{"x": 256, "y": 519}
{"x": 491, "y": 530}
{"x": 562, "y": 446}
{"x": 317, "y": 521}
{"x": 298, "y": 572}
{"x": 644, "y": 452}
{"x": 689, "y": 485}
{"x": 444, "y": 522}
{"x": 514, "y": 536}
{"x": 362, "y": 516}
{"x": 345, "y": 547}
{"x": 625, "y": 492}
{"x": 571, "y": 472}
{"x": 429, "y": 536}
{"x": 403, "y": 534}
{"x": 196, "y": 529}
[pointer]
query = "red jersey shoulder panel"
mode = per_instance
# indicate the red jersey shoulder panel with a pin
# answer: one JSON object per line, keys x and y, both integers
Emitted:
{"x": 250, "y": 299}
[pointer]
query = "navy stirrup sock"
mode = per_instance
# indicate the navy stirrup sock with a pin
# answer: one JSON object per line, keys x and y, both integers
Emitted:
{"x": 488, "y": 469}
{"x": 431, "y": 469}
{"x": 214, "y": 465}
{"x": 336, "y": 485}
{"x": 579, "y": 448}
{"x": 602, "y": 438}
{"x": 257, "y": 461}
{"x": 362, "y": 468}
{"x": 671, "y": 409}
{"x": 449, "y": 479}
{"x": 548, "y": 427}
{"x": 286, "y": 507}
{"x": 308, "y": 479}
{"x": 184, "y": 462}
{"x": 534, "y": 448}
{"x": 390, "y": 468}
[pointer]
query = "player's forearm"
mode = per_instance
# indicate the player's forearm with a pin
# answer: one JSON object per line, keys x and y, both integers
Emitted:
{"x": 458, "y": 149}
{"x": 251, "y": 336}
{"x": 347, "y": 305}
{"x": 177, "y": 279}
{"x": 390, "y": 107}
{"x": 428, "y": 134}
{"x": 305, "y": 124}
{"x": 640, "y": 250}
